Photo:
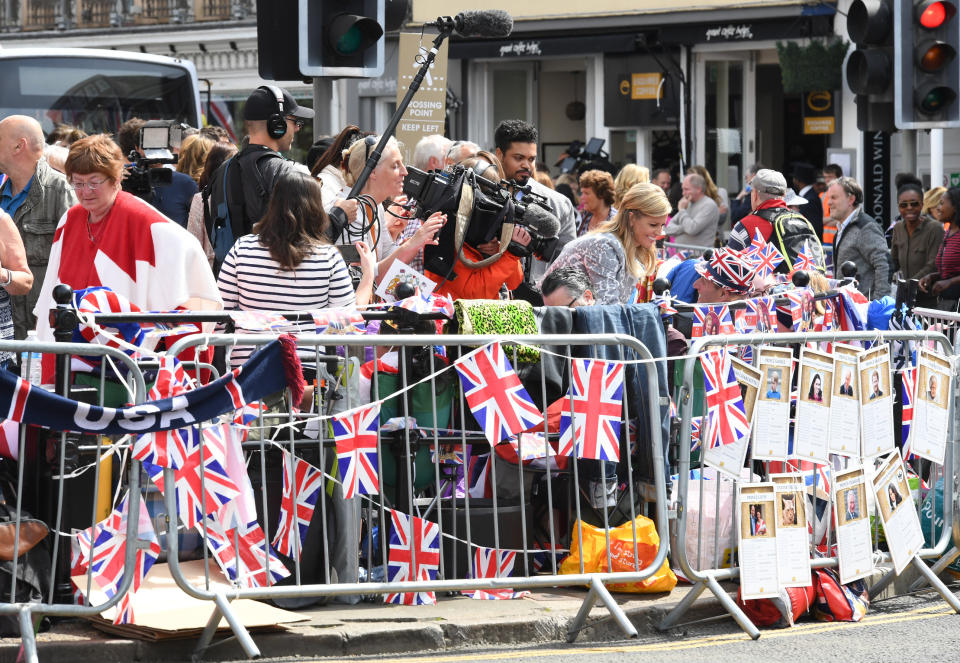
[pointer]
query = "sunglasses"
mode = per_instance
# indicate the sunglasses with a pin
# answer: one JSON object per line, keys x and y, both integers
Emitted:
{"x": 907, "y": 204}
{"x": 297, "y": 121}
{"x": 369, "y": 142}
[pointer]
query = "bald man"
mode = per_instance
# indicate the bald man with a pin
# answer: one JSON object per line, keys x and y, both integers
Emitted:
{"x": 36, "y": 196}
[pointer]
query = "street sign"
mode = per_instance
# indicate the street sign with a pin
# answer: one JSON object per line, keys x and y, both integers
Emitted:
{"x": 427, "y": 110}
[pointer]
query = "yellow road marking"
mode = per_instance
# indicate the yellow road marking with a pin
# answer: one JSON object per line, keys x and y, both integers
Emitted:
{"x": 706, "y": 641}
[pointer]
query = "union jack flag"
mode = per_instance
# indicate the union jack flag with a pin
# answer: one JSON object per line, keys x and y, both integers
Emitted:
{"x": 202, "y": 482}
{"x": 243, "y": 553}
{"x": 695, "y": 426}
{"x": 805, "y": 259}
{"x": 727, "y": 419}
{"x": 909, "y": 395}
{"x": 355, "y": 433}
{"x": 165, "y": 448}
{"x": 104, "y": 558}
{"x": 414, "y": 556}
{"x": 302, "y": 483}
{"x": 259, "y": 321}
{"x": 488, "y": 563}
{"x": 494, "y": 393}
{"x": 765, "y": 256}
{"x": 722, "y": 321}
{"x": 596, "y": 400}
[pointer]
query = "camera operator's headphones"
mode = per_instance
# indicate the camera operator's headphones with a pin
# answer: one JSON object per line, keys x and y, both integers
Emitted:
{"x": 277, "y": 122}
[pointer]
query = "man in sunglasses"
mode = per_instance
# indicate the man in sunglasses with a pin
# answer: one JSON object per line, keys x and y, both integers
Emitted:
{"x": 272, "y": 123}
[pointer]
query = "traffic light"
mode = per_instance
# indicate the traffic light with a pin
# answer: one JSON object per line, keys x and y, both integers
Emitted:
{"x": 341, "y": 38}
{"x": 322, "y": 38}
{"x": 870, "y": 67}
{"x": 928, "y": 72}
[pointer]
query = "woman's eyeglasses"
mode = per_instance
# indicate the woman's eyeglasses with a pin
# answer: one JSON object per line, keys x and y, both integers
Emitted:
{"x": 90, "y": 186}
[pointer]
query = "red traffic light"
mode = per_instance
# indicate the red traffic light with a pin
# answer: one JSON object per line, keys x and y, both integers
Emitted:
{"x": 935, "y": 14}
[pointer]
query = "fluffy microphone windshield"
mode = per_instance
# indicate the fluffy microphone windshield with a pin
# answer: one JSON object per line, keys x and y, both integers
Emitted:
{"x": 491, "y": 23}
{"x": 541, "y": 220}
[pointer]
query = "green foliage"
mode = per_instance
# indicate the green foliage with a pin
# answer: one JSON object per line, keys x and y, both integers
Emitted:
{"x": 816, "y": 66}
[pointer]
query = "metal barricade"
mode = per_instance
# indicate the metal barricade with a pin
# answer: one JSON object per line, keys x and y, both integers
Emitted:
{"x": 710, "y": 578}
{"x": 60, "y": 462}
{"x": 503, "y": 523}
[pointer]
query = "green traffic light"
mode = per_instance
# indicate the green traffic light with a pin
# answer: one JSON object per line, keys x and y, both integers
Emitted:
{"x": 349, "y": 42}
{"x": 351, "y": 34}
{"x": 936, "y": 99}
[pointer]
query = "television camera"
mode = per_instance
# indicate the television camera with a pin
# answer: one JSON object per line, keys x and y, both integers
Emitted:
{"x": 158, "y": 140}
{"x": 477, "y": 209}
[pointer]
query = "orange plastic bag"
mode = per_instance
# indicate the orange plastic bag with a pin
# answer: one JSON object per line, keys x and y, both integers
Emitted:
{"x": 621, "y": 555}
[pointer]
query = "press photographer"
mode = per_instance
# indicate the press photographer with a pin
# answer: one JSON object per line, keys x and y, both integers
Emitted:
{"x": 150, "y": 147}
{"x": 497, "y": 224}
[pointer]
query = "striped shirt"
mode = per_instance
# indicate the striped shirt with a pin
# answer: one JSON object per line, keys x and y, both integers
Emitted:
{"x": 250, "y": 280}
{"x": 948, "y": 257}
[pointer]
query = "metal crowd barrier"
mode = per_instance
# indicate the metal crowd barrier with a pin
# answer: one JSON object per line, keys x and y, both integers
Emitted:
{"x": 710, "y": 578}
{"x": 61, "y": 462}
{"x": 464, "y": 523}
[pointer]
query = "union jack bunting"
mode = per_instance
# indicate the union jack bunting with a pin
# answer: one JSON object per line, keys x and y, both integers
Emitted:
{"x": 355, "y": 433}
{"x": 805, "y": 259}
{"x": 727, "y": 419}
{"x": 9, "y": 439}
{"x": 106, "y": 560}
{"x": 243, "y": 553}
{"x": 431, "y": 303}
{"x": 488, "y": 563}
{"x": 202, "y": 483}
{"x": 414, "y": 556}
{"x": 165, "y": 448}
{"x": 302, "y": 483}
{"x": 909, "y": 396}
{"x": 259, "y": 321}
{"x": 493, "y": 391}
{"x": 596, "y": 400}
{"x": 705, "y": 316}
{"x": 449, "y": 454}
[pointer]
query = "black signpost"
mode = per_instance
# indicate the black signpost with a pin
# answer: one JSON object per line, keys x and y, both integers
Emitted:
{"x": 876, "y": 175}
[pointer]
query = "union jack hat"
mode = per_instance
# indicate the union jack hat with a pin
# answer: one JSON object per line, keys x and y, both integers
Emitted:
{"x": 728, "y": 269}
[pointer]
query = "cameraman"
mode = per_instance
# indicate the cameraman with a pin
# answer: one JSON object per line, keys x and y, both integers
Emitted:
{"x": 505, "y": 268}
{"x": 172, "y": 198}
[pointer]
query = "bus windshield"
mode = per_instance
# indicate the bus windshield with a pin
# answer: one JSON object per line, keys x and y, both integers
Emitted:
{"x": 96, "y": 94}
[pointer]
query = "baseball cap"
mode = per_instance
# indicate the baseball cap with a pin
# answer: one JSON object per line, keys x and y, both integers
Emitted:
{"x": 769, "y": 181}
{"x": 261, "y": 104}
{"x": 728, "y": 269}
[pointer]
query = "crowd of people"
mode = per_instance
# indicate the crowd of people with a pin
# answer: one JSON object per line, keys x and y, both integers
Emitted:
{"x": 242, "y": 227}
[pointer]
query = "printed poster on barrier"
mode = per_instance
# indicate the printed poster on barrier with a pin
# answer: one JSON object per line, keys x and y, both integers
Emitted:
{"x": 845, "y": 404}
{"x": 771, "y": 438}
{"x": 728, "y": 458}
{"x": 793, "y": 539}
{"x": 854, "y": 545}
{"x": 876, "y": 400}
{"x": 757, "y": 539}
{"x": 812, "y": 432}
{"x": 928, "y": 432}
{"x": 901, "y": 524}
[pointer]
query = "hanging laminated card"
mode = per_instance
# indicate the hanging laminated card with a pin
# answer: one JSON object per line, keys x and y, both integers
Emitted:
{"x": 757, "y": 539}
{"x": 812, "y": 432}
{"x": 772, "y": 423}
{"x": 854, "y": 545}
{"x": 845, "y": 404}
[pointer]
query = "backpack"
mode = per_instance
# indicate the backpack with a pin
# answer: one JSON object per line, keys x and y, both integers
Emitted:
{"x": 791, "y": 232}
{"x": 225, "y": 216}
{"x": 836, "y": 602}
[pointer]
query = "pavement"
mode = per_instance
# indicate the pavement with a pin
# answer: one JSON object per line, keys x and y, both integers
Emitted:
{"x": 371, "y": 629}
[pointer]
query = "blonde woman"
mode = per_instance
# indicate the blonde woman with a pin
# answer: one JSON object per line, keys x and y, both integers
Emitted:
{"x": 628, "y": 176}
{"x": 620, "y": 256}
{"x": 719, "y": 196}
{"x": 931, "y": 199}
{"x": 193, "y": 155}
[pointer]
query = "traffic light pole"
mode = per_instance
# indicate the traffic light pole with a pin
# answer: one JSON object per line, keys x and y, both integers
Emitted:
{"x": 337, "y": 216}
{"x": 936, "y": 157}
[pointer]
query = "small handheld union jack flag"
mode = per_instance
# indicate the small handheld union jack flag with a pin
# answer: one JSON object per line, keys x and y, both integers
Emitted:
{"x": 355, "y": 433}
{"x": 805, "y": 259}
{"x": 414, "y": 555}
{"x": 909, "y": 396}
{"x": 302, "y": 483}
{"x": 488, "y": 563}
{"x": 494, "y": 393}
{"x": 726, "y": 417}
{"x": 764, "y": 255}
{"x": 596, "y": 399}
{"x": 695, "y": 425}
{"x": 710, "y": 320}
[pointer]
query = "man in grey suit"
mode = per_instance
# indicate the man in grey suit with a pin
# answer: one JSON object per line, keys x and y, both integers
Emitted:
{"x": 859, "y": 238}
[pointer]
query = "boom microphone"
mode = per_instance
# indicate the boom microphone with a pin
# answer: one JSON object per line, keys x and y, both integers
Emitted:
{"x": 541, "y": 220}
{"x": 489, "y": 23}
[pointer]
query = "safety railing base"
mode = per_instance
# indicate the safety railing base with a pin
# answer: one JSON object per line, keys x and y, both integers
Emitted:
{"x": 599, "y": 592}
{"x": 222, "y": 609}
{"x": 672, "y": 618}
{"x": 939, "y": 567}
